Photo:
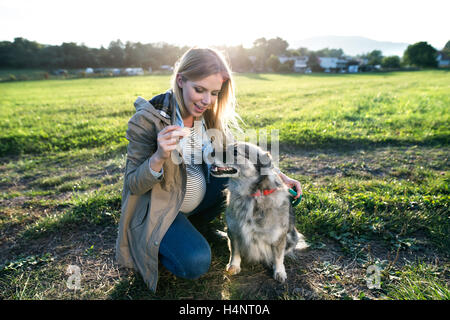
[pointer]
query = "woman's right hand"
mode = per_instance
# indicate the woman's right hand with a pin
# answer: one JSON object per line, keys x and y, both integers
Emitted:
{"x": 167, "y": 141}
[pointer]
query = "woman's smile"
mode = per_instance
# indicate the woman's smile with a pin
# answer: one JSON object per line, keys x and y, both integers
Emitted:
{"x": 200, "y": 109}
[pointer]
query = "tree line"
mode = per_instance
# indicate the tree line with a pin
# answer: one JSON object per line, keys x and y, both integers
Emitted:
{"x": 22, "y": 53}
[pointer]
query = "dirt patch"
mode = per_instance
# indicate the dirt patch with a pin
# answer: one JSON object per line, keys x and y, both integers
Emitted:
{"x": 379, "y": 162}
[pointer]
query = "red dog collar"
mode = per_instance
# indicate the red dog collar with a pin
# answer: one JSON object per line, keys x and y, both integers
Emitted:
{"x": 264, "y": 192}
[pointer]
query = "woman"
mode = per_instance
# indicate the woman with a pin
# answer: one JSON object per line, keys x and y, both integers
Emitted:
{"x": 159, "y": 190}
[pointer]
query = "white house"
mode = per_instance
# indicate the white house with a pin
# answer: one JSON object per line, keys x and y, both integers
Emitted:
{"x": 329, "y": 63}
{"x": 443, "y": 60}
{"x": 300, "y": 63}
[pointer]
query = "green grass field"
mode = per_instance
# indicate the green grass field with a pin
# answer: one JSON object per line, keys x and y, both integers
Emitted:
{"x": 371, "y": 152}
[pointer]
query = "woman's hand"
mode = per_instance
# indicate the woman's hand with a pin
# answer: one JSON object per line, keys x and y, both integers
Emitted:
{"x": 167, "y": 141}
{"x": 292, "y": 183}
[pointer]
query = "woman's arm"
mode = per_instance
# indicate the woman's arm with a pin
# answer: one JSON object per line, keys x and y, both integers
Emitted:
{"x": 141, "y": 135}
{"x": 290, "y": 182}
{"x": 147, "y": 151}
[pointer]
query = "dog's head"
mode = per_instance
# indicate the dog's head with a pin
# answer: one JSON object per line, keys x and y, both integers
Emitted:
{"x": 240, "y": 159}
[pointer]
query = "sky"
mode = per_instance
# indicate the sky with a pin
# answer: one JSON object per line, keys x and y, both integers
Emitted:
{"x": 227, "y": 22}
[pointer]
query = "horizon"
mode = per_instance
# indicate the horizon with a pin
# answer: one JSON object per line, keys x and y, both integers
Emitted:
{"x": 52, "y": 22}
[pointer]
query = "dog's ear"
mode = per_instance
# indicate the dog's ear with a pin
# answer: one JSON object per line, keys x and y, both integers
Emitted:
{"x": 264, "y": 160}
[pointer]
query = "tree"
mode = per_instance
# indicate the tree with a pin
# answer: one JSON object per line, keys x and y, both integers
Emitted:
{"x": 286, "y": 67}
{"x": 239, "y": 59}
{"x": 277, "y": 46}
{"x": 391, "y": 62}
{"x": 273, "y": 63}
{"x": 51, "y": 57}
{"x": 134, "y": 54}
{"x": 263, "y": 49}
{"x": 116, "y": 54}
{"x": 375, "y": 58}
{"x": 333, "y": 53}
{"x": 446, "y": 49}
{"x": 421, "y": 55}
{"x": 101, "y": 57}
{"x": 259, "y": 50}
{"x": 300, "y": 52}
{"x": 313, "y": 62}
{"x": 23, "y": 53}
{"x": 75, "y": 56}
{"x": 6, "y": 54}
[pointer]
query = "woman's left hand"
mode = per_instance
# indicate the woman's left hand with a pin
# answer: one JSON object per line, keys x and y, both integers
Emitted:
{"x": 292, "y": 183}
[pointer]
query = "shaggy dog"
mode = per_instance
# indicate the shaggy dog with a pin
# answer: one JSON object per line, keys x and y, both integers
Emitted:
{"x": 259, "y": 214}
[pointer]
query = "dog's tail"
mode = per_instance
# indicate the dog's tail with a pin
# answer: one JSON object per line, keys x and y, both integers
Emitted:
{"x": 291, "y": 240}
{"x": 294, "y": 240}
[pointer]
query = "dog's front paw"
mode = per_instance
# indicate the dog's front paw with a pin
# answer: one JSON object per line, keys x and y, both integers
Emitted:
{"x": 280, "y": 275}
{"x": 232, "y": 269}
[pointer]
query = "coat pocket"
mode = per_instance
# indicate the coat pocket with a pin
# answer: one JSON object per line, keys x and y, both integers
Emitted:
{"x": 140, "y": 216}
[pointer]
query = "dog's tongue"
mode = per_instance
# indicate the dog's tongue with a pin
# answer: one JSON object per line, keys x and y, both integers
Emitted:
{"x": 219, "y": 168}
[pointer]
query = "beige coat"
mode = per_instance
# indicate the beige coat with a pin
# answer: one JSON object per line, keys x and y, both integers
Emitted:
{"x": 149, "y": 205}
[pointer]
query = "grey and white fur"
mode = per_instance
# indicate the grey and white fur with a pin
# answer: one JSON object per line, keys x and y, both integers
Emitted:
{"x": 259, "y": 228}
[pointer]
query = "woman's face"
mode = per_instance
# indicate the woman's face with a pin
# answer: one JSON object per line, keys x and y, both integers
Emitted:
{"x": 201, "y": 94}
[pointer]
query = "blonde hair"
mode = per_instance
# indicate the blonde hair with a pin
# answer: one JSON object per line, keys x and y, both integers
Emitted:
{"x": 198, "y": 63}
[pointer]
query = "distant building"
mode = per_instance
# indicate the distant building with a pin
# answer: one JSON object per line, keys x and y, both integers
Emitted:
{"x": 166, "y": 67}
{"x": 353, "y": 69}
{"x": 60, "y": 72}
{"x": 300, "y": 63}
{"x": 331, "y": 64}
{"x": 328, "y": 64}
{"x": 134, "y": 71}
{"x": 443, "y": 60}
{"x": 353, "y": 66}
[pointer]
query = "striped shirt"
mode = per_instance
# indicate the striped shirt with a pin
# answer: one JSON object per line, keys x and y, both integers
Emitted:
{"x": 196, "y": 182}
{"x": 192, "y": 152}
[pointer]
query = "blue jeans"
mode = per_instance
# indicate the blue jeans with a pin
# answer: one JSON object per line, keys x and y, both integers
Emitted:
{"x": 183, "y": 250}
